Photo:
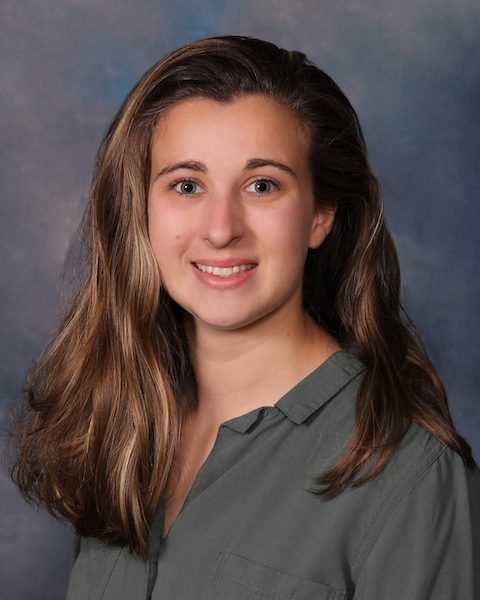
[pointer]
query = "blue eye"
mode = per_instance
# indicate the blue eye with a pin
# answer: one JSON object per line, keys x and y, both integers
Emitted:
{"x": 185, "y": 187}
{"x": 262, "y": 186}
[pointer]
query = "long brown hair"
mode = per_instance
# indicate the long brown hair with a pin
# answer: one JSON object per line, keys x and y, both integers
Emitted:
{"x": 108, "y": 397}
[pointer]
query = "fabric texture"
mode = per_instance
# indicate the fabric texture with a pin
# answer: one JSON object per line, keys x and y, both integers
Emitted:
{"x": 252, "y": 527}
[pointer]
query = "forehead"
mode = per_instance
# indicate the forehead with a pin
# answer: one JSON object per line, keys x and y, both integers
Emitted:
{"x": 244, "y": 124}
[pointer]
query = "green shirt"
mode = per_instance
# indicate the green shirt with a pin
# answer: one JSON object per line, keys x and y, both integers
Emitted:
{"x": 251, "y": 527}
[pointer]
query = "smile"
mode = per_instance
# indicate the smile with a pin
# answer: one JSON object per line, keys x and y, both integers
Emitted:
{"x": 224, "y": 271}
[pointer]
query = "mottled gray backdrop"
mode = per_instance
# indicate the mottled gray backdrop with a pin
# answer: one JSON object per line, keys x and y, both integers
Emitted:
{"x": 410, "y": 68}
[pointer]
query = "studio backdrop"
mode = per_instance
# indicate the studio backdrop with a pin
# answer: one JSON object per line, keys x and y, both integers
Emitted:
{"x": 409, "y": 68}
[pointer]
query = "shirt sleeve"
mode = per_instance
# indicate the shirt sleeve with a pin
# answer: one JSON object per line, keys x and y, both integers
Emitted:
{"x": 429, "y": 547}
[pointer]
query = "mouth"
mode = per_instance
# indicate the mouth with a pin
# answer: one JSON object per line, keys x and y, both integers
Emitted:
{"x": 224, "y": 271}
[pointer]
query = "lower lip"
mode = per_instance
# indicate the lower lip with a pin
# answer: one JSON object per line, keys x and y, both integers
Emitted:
{"x": 223, "y": 283}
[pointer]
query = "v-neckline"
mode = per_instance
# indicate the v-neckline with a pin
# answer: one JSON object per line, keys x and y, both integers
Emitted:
{"x": 278, "y": 403}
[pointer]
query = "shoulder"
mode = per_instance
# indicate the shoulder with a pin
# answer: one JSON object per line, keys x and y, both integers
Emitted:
{"x": 427, "y": 521}
{"x": 425, "y": 467}
{"x": 425, "y": 496}
{"x": 425, "y": 485}
{"x": 418, "y": 452}
{"x": 425, "y": 471}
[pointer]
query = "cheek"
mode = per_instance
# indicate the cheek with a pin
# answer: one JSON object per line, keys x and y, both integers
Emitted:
{"x": 166, "y": 232}
{"x": 290, "y": 232}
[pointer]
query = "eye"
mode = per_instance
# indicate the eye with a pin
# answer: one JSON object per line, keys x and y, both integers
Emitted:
{"x": 185, "y": 187}
{"x": 262, "y": 187}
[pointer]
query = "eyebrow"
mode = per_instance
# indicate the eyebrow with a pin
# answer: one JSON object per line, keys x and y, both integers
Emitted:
{"x": 253, "y": 163}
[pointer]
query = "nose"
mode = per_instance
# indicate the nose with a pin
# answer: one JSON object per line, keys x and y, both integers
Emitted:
{"x": 222, "y": 220}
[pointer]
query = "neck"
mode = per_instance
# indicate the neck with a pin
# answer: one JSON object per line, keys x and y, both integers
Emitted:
{"x": 242, "y": 369}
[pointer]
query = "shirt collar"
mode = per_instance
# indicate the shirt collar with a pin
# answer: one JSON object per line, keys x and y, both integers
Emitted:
{"x": 310, "y": 393}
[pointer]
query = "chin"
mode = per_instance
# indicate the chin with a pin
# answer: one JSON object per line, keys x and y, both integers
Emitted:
{"x": 225, "y": 324}
{"x": 228, "y": 322}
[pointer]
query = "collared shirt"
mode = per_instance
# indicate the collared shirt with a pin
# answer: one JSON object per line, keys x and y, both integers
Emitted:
{"x": 252, "y": 527}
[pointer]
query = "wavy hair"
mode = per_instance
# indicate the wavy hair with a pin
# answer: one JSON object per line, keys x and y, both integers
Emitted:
{"x": 108, "y": 396}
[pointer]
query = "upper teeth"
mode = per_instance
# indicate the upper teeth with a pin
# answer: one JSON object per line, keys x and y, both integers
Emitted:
{"x": 224, "y": 271}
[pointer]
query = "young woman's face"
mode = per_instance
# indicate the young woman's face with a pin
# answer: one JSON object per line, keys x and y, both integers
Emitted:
{"x": 231, "y": 210}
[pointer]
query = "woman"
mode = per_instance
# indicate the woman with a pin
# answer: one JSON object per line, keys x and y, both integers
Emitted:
{"x": 236, "y": 404}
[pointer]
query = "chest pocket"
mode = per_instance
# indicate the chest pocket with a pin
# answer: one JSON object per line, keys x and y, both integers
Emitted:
{"x": 235, "y": 577}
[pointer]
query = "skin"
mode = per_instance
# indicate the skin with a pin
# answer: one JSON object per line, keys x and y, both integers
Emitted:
{"x": 238, "y": 336}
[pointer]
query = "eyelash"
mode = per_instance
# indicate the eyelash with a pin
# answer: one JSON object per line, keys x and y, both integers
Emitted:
{"x": 173, "y": 185}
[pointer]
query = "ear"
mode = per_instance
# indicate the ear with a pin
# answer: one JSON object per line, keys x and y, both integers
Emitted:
{"x": 321, "y": 226}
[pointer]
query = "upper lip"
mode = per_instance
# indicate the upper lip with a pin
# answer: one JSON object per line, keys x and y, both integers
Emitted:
{"x": 224, "y": 262}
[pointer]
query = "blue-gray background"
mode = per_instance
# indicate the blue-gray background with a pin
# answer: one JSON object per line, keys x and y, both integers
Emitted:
{"x": 410, "y": 68}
